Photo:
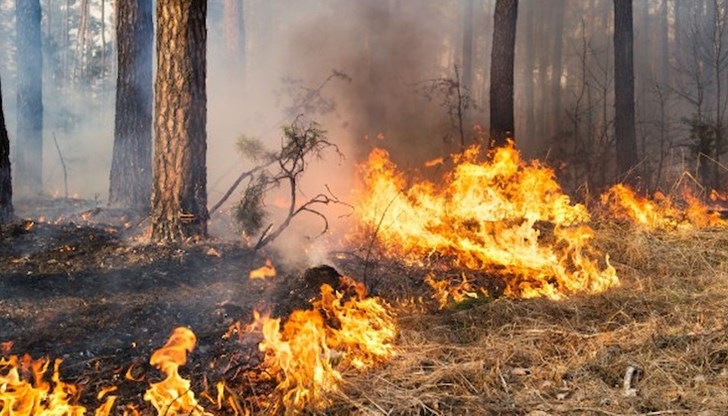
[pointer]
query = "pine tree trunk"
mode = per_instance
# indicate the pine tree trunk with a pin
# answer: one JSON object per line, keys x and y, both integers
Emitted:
{"x": 29, "y": 160}
{"x": 6, "y": 186}
{"x": 131, "y": 166}
{"x": 501, "y": 71}
{"x": 179, "y": 194}
{"x": 624, "y": 90}
{"x": 557, "y": 56}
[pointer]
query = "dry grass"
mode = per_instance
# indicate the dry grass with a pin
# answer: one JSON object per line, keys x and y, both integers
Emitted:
{"x": 669, "y": 319}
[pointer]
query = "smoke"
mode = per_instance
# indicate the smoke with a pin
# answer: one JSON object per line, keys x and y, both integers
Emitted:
{"x": 387, "y": 53}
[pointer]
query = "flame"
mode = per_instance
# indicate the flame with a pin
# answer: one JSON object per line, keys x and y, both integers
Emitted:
{"x": 173, "y": 396}
{"x": 314, "y": 346}
{"x": 263, "y": 272}
{"x": 35, "y": 397}
{"x": 486, "y": 216}
{"x": 444, "y": 290}
{"x": 660, "y": 212}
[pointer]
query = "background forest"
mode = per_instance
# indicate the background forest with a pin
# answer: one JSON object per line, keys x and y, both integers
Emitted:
{"x": 397, "y": 63}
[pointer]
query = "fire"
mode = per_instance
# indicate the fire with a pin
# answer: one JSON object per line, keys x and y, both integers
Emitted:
{"x": 263, "y": 272}
{"x": 21, "y": 397}
{"x": 660, "y": 212}
{"x": 173, "y": 396}
{"x": 495, "y": 214}
{"x": 314, "y": 346}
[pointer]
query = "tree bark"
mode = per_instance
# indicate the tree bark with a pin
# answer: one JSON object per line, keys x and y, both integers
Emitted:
{"x": 29, "y": 159}
{"x": 179, "y": 194}
{"x": 624, "y": 90}
{"x": 131, "y": 166}
{"x": 501, "y": 72}
{"x": 6, "y": 185}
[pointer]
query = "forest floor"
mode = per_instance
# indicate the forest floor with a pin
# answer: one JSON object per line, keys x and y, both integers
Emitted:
{"x": 76, "y": 284}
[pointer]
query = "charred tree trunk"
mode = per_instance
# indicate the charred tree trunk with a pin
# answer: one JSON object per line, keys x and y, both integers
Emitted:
{"x": 501, "y": 71}
{"x": 6, "y": 185}
{"x": 624, "y": 90}
{"x": 131, "y": 165}
{"x": 234, "y": 22}
{"x": 29, "y": 161}
{"x": 179, "y": 190}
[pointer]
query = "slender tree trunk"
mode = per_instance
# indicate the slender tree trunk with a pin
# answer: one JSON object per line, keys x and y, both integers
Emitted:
{"x": 558, "y": 34}
{"x": 624, "y": 90}
{"x": 378, "y": 18}
{"x": 82, "y": 36}
{"x": 234, "y": 25}
{"x": 502, "y": 126}
{"x": 103, "y": 38}
{"x": 179, "y": 194}
{"x": 530, "y": 86}
{"x": 665, "y": 45}
{"x": 467, "y": 62}
{"x": 29, "y": 162}
{"x": 131, "y": 165}
{"x": 6, "y": 185}
{"x": 466, "y": 81}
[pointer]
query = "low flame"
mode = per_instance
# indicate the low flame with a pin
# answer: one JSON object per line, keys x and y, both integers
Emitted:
{"x": 308, "y": 354}
{"x": 263, "y": 272}
{"x": 173, "y": 396}
{"x": 21, "y": 397}
{"x": 660, "y": 212}
{"x": 502, "y": 216}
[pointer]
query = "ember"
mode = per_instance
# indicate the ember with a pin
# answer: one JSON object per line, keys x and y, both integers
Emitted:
{"x": 501, "y": 215}
{"x": 263, "y": 272}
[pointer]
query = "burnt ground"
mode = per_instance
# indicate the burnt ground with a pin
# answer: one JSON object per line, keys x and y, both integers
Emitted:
{"x": 76, "y": 283}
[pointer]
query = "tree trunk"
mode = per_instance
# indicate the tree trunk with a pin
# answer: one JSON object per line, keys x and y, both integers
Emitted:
{"x": 624, "y": 90}
{"x": 179, "y": 190}
{"x": 501, "y": 71}
{"x": 466, "y": 82}
{"x": 557, "y": 56}
{"x": 467, "y": 61}
{"x": 6, "y": 186}
{"x": 378, "y": 36}
{"x": 131, "y": 165}
{"x": 530, "y": 86}
{"x": 234, "y": 23}
{"x": 665, "y": 45}
{"x": 29, "y": 161}
{"x": 81, "y": 44}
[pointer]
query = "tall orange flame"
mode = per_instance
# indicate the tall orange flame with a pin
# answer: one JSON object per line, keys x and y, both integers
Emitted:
{"x": 486, "y": 215}
{"x": 308, "y": 354}
{"x": 173, "y": 396}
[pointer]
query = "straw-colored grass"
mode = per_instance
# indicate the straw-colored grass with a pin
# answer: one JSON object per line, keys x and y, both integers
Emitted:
{"x": 668, "y": 321}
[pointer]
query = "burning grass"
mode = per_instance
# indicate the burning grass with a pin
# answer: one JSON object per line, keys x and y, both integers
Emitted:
{"x": 658, "y": 344}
